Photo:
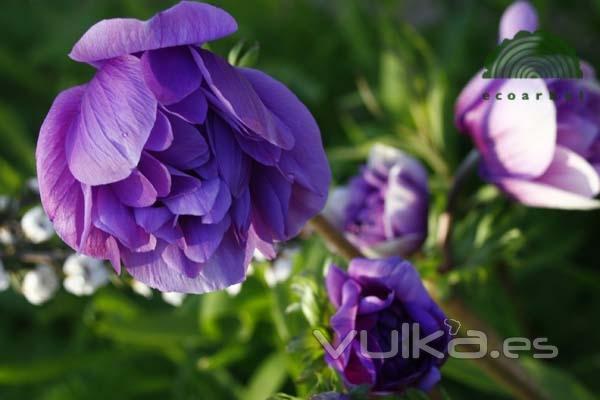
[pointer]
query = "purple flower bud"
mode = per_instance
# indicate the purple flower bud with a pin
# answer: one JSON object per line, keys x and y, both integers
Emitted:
{"x": 541, "y": 152}
{"x": 385, "y": 308}
{"x": 384, "y": 209}
{"x": 174, "y": 161}
{"x": 519, "y": 16}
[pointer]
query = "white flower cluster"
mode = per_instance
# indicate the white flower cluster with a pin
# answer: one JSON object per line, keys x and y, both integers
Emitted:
{"x": 36, "y": 226}
{"x": 84, "y": 275}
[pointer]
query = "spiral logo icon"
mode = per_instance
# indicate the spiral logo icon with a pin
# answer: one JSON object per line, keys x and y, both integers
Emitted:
{"x": 533, "y": 55}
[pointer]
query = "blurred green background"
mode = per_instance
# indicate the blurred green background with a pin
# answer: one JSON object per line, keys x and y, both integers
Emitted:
{"x": 370, "y": 71}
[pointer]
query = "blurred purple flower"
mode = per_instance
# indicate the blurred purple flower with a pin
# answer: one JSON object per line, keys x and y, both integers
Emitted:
{"x": 542, "y": 153}
{"x": 384, "y": 209}
{"x": 378, "y": 297}
{"x": 174, "y": 161}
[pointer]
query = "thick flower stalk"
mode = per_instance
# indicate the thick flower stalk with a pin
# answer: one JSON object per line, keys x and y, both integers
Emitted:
{"x": 383, "y": 211}
{"x": 541, "y": 152}
{"x": 383, "y": 301}
{"x": 173, "y": 161}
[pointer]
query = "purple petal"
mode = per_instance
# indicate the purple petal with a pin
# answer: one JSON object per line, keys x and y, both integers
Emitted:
{"x": 135, "y": 190}
{"x": 192, "y": 109}
{"x": 161, "y": 135}
{"x": 62, "y": 196}
{"x": 220, "y": 207}
{"x": 270, "y": 203}
{"x": 234, "y": 165}
{"x": 189, "y": 196}
{"x": 171, "y": 73}
{"x": 224, "y": 269}
{"x": 518, "y": 137}
{"x": 306, "y": 162}
{"x": 569, "y": 183}
{"x": 117, "y": 114}
{"x": 177, "y": 261}
{"x": 393, "y": 273}
{"x": 520, "y": 16}
{"x": 373, "y": 304}
{"x": 152, "y": 218}
{"x": 156, "y": 173}
{"x": 238, "y": 97}
{"x": 186, "y": 23}
{"x": 115, "y": 219}
{"x": 471, "y": 98}
{"x": 335, "y": 281}
{"x": 201, "y": 240}
{"x": 188, "y": 150}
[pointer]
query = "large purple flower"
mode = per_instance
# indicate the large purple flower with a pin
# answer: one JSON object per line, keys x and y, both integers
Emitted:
{"x": 542, "y": 153}
{"x": 375, "y": 298}
{"x": 173, "y": 161}
{"x": 384, "y": 209}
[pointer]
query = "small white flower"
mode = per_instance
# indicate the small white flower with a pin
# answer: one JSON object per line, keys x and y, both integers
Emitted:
{"x": 258, "y": 256}
{"x": 33, "y": 185}
{"x": 84, "y": 275}
{"x": 173, "y": 298}
{"x": 141, "y": 288}
{"x": 4, "y": 278}
{"x": 6, "y": 236}
{"x": 4, "y": 203}
{"x": 234, "y": 290}
{"x": 36, "y": 225}
{"x": 281, "y": 269}
{"x": 40, "y": 284}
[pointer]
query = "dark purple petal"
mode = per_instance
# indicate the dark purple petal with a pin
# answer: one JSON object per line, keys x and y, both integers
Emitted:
{"x": 190, "y": 196}
{"x": 135, "y": 190}
{"x": 157, "y": 174}
{"x": 161, "y": 135}
{"x": 186, "y": 23}
{"x": 201, "y": 240}
{"x": 220, "y": 207}
{"x": 238, "y": 97}
{"x": 116, "y": 117}
{"x": 171, "y": 73}
{"x": 335, "y": 281}
{"x": 306, "y": 162}
{"x": 234, "y": 166}
{"x": 192, "y": 108}
{"x": 189, "y": 150}
{"x": 270, "y": 203}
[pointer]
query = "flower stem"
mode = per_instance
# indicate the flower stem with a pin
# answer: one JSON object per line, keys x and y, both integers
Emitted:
{"x": 446, "y": 220}
{"x": 505, "y": 371}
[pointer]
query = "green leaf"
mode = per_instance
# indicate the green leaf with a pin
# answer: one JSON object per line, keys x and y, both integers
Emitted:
{"x": 556, "y": 383}
{"x": 268, "y": 378}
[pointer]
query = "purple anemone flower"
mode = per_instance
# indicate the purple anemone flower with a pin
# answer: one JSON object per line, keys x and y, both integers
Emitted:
{"x": 384, "y": 209}
{"x": 384, "y": 302}
{"x": 541, "y": 152}
{"x": 173, "y": 161}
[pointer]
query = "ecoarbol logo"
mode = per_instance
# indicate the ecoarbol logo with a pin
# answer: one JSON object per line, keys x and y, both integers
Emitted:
{"x": 532, "y": 56}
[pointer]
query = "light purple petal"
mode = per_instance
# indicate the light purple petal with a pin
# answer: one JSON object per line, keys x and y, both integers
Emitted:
{"x": 471, "y": 97}
{"x": 373, "y": 304}
{"x": 171, "y": 73}
{"x": 518, "y": 137}
{"x": 177, "y": 261}
{"x": 220, "y": 207}
{"x": 519, "y": 16}
{"x": 116, "y": 117}
{"x": 186, "y": 23}
{"x": 62, "y": 196}
{"x": 152, "y": 218}
{"x": 569, "y": 183}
